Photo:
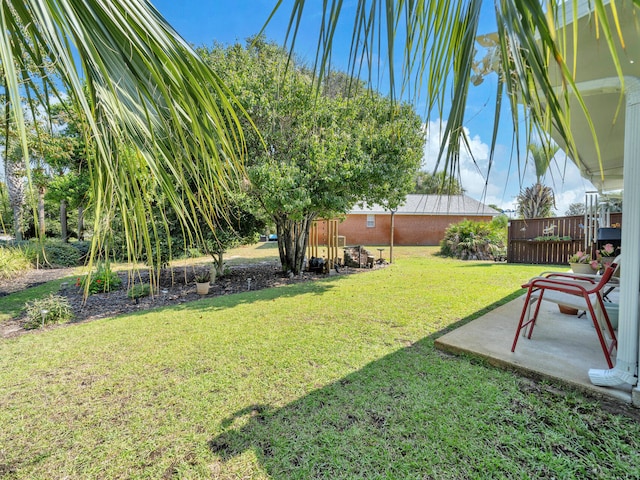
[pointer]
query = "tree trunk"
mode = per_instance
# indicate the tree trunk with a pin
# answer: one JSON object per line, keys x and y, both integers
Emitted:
{"x": 41, "y": 225}
{"x": 14, "y": 174}
{"x": 17, "y": 223}
{"x": 80, "y": 223}
{"x": 217, "y": 268}
{"x": 293, "y": 238}
{"x": 63, "y": 221}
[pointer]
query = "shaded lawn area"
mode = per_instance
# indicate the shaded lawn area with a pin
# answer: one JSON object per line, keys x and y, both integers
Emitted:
{"x": 330, "y": 379}
{"x": 12, "y": 305}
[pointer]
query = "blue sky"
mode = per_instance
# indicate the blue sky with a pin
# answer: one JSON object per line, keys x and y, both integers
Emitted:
{"x": 202, "y": 22}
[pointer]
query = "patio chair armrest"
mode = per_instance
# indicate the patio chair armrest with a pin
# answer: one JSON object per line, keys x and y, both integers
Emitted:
{"x": 583, "y": 277}
{"x": 566, "y": 279}
{"x": 573, "y": 288}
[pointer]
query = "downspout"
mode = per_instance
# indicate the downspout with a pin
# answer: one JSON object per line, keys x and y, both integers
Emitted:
{"x": 625, "y": 370}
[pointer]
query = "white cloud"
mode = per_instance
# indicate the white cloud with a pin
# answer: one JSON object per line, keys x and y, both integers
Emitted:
{"x": 505, "y": 180}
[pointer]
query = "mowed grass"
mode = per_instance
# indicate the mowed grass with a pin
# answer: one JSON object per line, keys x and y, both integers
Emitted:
{"x": 12, "y": 305}
{"x": 335, "y": 378}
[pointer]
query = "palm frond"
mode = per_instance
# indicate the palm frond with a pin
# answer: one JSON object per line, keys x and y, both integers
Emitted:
{"x": 139, "y": 85}
{"x": 438, "y": 39}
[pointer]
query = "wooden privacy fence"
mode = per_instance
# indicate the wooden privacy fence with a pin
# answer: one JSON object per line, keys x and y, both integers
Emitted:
{"x": 549, "y": 240}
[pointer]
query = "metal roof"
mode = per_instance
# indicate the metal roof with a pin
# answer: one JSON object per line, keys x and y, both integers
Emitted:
{"x": 431, "y": 205}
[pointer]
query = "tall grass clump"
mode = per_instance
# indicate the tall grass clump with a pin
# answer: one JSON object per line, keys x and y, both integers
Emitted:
{"x": 471, "y": 240}
{"x": 50, "y": 309}
{"x": 12, "y": 261}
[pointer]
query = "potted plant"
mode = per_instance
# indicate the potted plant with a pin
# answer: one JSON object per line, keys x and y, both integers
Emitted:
{"x": 606, "y": 254}
{"x": 582, "y": 263}
{"x": 203, "y": 280}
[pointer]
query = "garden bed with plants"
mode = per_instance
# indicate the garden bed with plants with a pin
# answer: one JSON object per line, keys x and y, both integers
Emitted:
{"x": 176, "y": 286}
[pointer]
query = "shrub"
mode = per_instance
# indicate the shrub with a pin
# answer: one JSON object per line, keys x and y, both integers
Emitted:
{"x": 54, "y": 253}
{"x": 83, "y": 248}
{"x": 474, "y": 240}
{"x": 50, "y": 309}
{"x": 12, "y": 261}
{"x": 103, "y": 280}
{"x": 139, "y": 291}
{"x": 203, "y": 276}
{"x": 193, "y": 252}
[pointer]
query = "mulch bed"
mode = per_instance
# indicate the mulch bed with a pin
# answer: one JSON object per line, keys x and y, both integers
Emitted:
{"x": 176, "y": 287}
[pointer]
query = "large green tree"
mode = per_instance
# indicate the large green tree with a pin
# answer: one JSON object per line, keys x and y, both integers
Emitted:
{"x": 70, "y": 186}
{"x": 436, "y": 184}
{"x": 47, "y": 151}
{"x": 318, "y": 153}
{"x": 54, "y": 151}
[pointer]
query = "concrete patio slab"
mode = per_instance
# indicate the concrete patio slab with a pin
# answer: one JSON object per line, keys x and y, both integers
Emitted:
{"x": 562, "y": 348}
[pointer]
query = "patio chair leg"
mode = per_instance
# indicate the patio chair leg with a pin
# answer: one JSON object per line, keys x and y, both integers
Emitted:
{"x": 535, "y": 315}
{"x": 603, "y": 344}
{"x": 526, "y": 312}
{"x": 610, "y": 328}
{"x": 606, "y": 349}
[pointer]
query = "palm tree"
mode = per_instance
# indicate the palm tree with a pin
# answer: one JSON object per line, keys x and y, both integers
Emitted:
{"x": 538, "y": 200}
{"x": 14, "y": 174}
{"x": 541, "y": 156}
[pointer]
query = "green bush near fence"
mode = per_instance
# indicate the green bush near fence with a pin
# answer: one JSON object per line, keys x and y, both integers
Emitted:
{"x": 472, "y": 240}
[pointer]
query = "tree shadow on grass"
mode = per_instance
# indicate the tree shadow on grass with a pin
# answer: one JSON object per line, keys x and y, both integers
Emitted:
{"x": 416, "y": 413}
{"x": 220, "y": 302}
{"x": 365, "y": 425}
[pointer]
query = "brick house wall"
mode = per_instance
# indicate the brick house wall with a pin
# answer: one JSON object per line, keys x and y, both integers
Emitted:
{"x": 408, "y": 229}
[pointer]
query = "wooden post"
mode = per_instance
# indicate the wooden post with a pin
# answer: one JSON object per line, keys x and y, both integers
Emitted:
{"x": 393, "y": 212}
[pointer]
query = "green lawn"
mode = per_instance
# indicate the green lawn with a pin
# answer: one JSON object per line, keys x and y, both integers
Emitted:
{"x": 12, "y": 305}
{"x": 330, "y": 379}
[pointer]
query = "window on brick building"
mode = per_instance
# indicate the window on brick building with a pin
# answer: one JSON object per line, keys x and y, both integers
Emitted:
{"x": 371, "y": 221}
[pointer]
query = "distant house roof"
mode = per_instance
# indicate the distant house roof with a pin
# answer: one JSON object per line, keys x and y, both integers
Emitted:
{"x": 432, "y": 205}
